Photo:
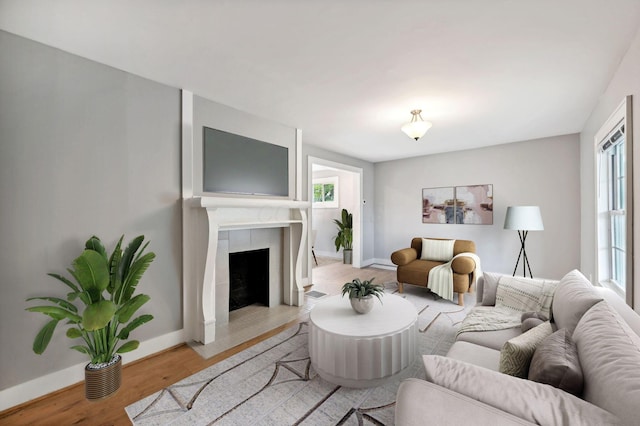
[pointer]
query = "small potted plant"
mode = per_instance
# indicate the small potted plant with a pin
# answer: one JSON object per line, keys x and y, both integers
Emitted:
{"x": 361, "y": 294}
{"x": 344, "y": 238}
{"x": 105, "y": 286}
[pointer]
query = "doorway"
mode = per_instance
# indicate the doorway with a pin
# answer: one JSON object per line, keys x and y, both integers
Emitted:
{"x": 346, "y": 183}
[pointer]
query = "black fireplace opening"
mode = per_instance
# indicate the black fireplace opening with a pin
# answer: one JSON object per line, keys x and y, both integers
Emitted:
{"x": 248, "y": 278}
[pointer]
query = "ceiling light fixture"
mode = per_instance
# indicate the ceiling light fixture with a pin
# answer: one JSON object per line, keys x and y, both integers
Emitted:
{"x": 417, "y": 127}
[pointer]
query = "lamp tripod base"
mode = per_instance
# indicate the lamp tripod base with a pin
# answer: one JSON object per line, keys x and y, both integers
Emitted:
{"x": 523, "y": 254}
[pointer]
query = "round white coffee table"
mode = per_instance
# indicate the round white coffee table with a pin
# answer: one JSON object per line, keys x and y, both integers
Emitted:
{"x": 359, "y": 351}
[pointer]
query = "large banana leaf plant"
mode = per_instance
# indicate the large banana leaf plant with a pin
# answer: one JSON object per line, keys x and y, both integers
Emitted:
{"x": 105, "y": 286}
{"x": 345, "y": 231}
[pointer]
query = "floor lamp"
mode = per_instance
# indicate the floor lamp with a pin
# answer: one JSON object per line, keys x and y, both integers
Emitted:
{"x": 523, "y": 219}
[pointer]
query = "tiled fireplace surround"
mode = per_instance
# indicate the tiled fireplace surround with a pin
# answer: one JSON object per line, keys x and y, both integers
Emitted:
{"x": 245, "y": 240}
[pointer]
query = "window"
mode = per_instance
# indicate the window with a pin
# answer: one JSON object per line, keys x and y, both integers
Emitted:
{"x": 614, "y": 214}
{"x": 325, "y": 193}
{"x": 615, "y": 155}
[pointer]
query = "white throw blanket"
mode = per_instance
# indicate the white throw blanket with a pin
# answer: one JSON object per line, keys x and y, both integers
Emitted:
{"x": 441, "y": 277}
{"x": 514, "y": 296}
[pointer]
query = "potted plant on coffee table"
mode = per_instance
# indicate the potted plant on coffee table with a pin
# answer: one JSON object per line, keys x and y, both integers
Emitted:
{"x": 99, "y": 310}
{"x": 361, "y": 294}
{"x": 344, "y": 238}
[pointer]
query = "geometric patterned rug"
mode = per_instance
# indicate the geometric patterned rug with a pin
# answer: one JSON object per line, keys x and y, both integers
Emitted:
{"x": 273, "y": 382}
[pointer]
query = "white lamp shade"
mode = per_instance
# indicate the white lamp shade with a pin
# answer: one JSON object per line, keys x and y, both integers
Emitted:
{"x": 523, "y": 218}
{"x": 416, "y": 129}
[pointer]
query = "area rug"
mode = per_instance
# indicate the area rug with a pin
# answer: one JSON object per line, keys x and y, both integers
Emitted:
{"x": 273, "y": 382}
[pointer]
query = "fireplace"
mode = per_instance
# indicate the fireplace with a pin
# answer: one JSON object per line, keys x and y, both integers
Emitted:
{"x": 216, "y": 227}
{"x": 248, "y": 278}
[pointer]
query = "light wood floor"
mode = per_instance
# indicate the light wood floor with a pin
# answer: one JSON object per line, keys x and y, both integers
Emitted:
{"x": 151, "y": 374}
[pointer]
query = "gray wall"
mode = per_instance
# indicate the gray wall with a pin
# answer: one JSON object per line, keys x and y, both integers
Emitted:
{"x": 625, "y": 82}
{"x": 542, "y": 172}
{"x": 84, "y": 149}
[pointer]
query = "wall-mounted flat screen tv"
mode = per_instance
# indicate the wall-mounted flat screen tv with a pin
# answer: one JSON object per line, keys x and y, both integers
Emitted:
{"x": 235, "y": 164}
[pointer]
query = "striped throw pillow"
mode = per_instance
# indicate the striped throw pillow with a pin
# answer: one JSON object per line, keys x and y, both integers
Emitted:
{"x": 437, "y": 250}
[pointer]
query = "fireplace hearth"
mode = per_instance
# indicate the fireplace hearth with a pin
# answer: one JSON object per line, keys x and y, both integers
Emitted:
{"x": 248, "y": 278}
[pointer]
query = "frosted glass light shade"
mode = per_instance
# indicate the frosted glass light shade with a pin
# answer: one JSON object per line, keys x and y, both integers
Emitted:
{"x": 416, "y": 129}
{"x": 523, "y": 218}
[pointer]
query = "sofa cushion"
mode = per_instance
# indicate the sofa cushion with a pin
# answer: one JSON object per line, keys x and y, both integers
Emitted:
{"x": 521, "y": 294}
{"x": 532, "y": 401}
{"x": 516, "y": 353}
{"x": 555, "y": 362}
{"x": 493, "y": 339}
{"x": 437, "y": 250}
{"x": 475, "y": 354}
{"x": 574, "y": 296}
{"x": 610, "y": 357}
{"x": 490, "y": 286}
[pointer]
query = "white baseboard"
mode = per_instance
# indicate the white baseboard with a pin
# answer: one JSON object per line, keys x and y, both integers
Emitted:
{"x": 330, "y": 254}
{"x": 383, "y": 264}
{"x": 71, "y": 375}
{"x": 367, "y": 262}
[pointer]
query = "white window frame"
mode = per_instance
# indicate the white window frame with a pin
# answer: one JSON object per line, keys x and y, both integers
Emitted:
{"x": 604, "y": 212}
{"x": 336, "y": 193}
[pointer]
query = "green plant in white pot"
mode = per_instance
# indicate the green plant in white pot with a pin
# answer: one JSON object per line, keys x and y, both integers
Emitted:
{"x": 344, "y": 238}
{"x": 361, "y": 294}
{"x": 105, "y": 286}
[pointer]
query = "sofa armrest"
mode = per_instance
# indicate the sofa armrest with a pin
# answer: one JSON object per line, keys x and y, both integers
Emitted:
{"x": 418, "y": 400}
{"x": 463, "y": 265}
{"x": 479, "y": 289}
{"x": 404, "y": 256}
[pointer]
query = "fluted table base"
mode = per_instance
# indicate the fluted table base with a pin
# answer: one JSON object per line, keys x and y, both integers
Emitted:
{"x": 360, "y": 351}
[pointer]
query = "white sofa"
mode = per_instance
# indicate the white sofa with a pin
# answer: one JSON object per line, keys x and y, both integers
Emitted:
{"x": 465, "y": 387}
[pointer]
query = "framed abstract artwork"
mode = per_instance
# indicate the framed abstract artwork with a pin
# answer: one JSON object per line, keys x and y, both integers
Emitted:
{"x": 471, "y": 204}
{"x": 434, "y": 202}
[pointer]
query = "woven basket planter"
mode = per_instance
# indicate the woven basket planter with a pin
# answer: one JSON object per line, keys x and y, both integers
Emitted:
{"x": 102, "y": 382}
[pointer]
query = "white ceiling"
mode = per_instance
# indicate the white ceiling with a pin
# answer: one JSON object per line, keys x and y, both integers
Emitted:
{"x": 348, "y": 72}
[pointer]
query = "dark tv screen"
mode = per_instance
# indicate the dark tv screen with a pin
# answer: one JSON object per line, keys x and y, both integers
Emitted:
{"x": 237, "y": 164}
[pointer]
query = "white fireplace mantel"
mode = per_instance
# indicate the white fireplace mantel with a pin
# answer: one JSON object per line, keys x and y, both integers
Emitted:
{"x": 204, "y": 218}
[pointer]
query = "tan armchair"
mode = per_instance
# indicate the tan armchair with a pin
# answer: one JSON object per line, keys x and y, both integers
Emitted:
{"x": 415, "y": 271}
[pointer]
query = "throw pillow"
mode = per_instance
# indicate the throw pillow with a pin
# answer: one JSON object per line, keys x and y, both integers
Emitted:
{"x": 521, "y": 294}
{"x": 555, "y": 362}
{"x": 516, "y": 353}
{"x": 490, "y": 288}
{"x": 529, "y": 323}
{"x": 437, "y": 250}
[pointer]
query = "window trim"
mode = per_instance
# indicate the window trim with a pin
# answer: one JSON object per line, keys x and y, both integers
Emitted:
{"x": 621, "y": 116}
